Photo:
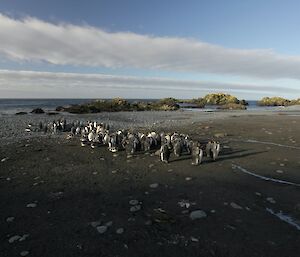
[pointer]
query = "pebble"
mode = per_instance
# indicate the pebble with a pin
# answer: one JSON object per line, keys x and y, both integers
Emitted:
{"x": 198, "y": 214}
{"x": 31, "y": 205}
{"x": 236, "y": 206}
{"x": 213, "y": 211}
{"x": 151, "y": 165}
{"x": 133, "y": 202}
{"x": 109, "y": 223}
{"x": 135, "y": 208}
{"x": 194, "y": 239}
{"x": 281, "y": 164}
{"x": 14, "y": 238}
{"x": 4, "y": 159}
{"x": 154, "y": 185}
{"x": 271, "y": 200}
{"x": 95, "y": 224}
{"x": 114, "y": 171}
{"x": 120, "y": 231}
{"x": 95, "y": 173}
{"x": 10, "y": 219}
{"x": 258, "y": 194}
{"x": 23, "y": 237}
{"x": 279, "y": 171}
{"x": 24, "y": 253}
{"x": 102, "y": 229}
{"x": 188, "y": 178}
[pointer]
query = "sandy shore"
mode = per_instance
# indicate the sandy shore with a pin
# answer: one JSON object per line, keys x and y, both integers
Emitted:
{"x": 250, "y": 196}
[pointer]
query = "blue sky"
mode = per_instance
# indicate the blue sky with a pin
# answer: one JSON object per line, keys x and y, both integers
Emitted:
{"x": 247, "y": 48}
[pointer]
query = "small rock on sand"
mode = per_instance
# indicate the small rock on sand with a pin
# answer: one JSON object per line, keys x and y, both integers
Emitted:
{"x": 24, "y": 253}
{"x": 31, "y": 205}
{"x": 188, "y": 178}
{"x": 271, "y": 200}
{"x": 279, "y": 171}
{"x": 10, "y": 219}
{"x": 95, "y": 224}
{"x": 135, "y": 208}
{"x": 198, "y": 214}
{"x": 133, "y": 202}
{"x": 14, "y": 238}
{"x": 4, "y": 159}
{"x": 154, "y": 185}
{"x": 236, "y": 206}
{"x": 120, "y": 231}
{"x": 102, "y": 229}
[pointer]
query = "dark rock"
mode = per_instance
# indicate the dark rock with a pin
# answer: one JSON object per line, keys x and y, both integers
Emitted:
{"x": 52, "y": 113}
{"x": 60, "y": 109}
{"x": 21, "y": 113}
{"x": 37, "y": 111}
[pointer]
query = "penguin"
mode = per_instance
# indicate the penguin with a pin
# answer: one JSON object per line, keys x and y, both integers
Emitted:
{"x": 165, "y": 153}
{"x": 177, "y": 147}
{"x": 213, "y": 149}
{"x": 197, "y": 154}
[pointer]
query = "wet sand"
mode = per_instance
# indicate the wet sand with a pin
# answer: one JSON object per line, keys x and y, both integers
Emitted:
{"x": 72, "y": 186}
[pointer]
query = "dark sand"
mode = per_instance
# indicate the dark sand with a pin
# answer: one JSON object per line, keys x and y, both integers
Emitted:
{"x": 73, "y": 186}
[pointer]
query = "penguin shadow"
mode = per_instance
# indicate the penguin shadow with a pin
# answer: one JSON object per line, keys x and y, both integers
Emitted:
{"x": 227, "y": 154}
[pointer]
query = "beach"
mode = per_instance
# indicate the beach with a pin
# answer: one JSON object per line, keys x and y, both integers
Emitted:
{"x": 55, "y": 194}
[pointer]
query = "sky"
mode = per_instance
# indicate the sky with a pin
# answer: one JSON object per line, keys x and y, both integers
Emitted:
{"x": 149, "y": 49}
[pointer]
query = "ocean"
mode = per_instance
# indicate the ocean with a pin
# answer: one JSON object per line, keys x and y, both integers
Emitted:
{"x": 11, "y": 106}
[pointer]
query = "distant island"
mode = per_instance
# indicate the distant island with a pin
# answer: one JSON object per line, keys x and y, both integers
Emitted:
{"x": 224, "y": 101}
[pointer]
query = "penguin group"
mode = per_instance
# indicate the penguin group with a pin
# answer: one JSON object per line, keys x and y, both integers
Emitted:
{"x": 96, "y": 134}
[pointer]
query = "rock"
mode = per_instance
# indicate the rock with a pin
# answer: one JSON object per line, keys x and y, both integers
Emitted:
{"x": 135, "y": 208}
{"x": 10, "y": 219}
{"x": 133, "y": 202}
{"x": 279, "y": 171}
{"x": 198, "y": 214}
{"x": 23, "y": 238}
{"x": 37, "y": 111}
{"x": 31, "y": 205}
{"x": 188, "y": 178}
{"x": 95, "y": 224}
{"x": 21, "y": 113}
{"x": 258, "y": 194}
{"x": 194, "y": 239}
{"x": 271, "y": 200}
{"x": 151, "y": 165}
{"x": 219, "y": 135}
{"x": 114, "y": 171}
{"x": 24, "y": 253}
{"x": 14, "y": 238}
{"x": 120, "y": 231}
{"x": 236, "y": 206}
{"x": 109, "y": 223}
{"x": 52, "y": 113}
{"x": 102, "y": 229}
{"x": 154, "y": 185}
{"x": 4, "y": 159}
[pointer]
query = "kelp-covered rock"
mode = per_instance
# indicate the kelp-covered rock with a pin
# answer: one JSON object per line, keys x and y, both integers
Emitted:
{"x": 274, "y": 101}
{"x": 119, "y": 104}
{"x": 221, "y": 99}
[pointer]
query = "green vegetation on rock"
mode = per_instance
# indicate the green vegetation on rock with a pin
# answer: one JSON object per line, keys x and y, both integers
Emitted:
{"x": 119, "y": 104}
{"x": 277, "y": 101}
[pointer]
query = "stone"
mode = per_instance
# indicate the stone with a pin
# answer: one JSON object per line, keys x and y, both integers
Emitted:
{"x": 37, "y": 111}
{"x": 24, "y": 253}
{"x": 114, "y": 171}
{"x": 102, "y": 229}
{"x": 188, "y": 178}
{"x": 95, "y": 224}
{"x": 197, "y": 214}
{"x": 133, "y": 202}
{"x": 154, "y": 185}
{"x": 236, "y": 206}
{"x": 31, "y": 205}
{"x": 270, "y": 199}
{"x": 194, "y": 239}
{"x": 279, "y": 171}
{"x": 120, "y": 231}
{"x": 10, "y": 219}
{"x": 23, "y": 238}
{"x": 4, "y": 159}
{"x": 14, "y": 238}
{"x": 109, "y": 223}
{"x": 135, "y": 208}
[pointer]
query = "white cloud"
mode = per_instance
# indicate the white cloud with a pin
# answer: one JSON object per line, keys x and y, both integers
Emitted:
{"x": 73, "y": 85}
{"x": 31, "y": 39}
